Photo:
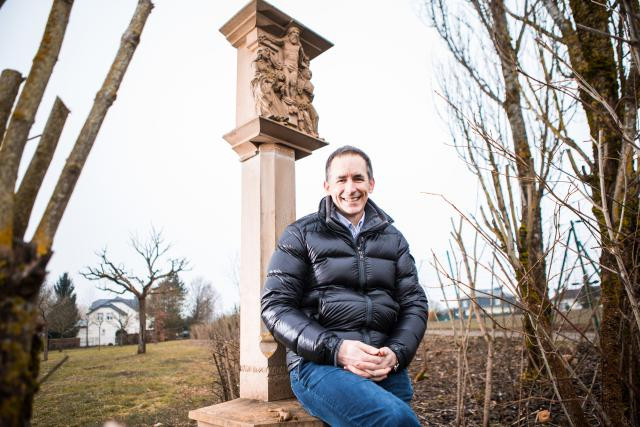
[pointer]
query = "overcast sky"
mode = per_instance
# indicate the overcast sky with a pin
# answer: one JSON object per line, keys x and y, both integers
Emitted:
{"x": 160, "y": 158}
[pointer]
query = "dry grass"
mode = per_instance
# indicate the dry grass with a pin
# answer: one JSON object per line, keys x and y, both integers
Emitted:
{"x": 512, "y": 322}
{"x": 115, "y": 383}
{"x": 578, "y": 317}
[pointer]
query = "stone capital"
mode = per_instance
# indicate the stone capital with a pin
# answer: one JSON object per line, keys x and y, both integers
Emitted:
{"x": 246, "y": 139}
{"x": 260, "y": 14}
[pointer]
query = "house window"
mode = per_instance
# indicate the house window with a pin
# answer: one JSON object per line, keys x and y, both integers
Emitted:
{"x": 109, "y": 316}
{"x": 496, "y": 302}
{"x": 99, "y": 316}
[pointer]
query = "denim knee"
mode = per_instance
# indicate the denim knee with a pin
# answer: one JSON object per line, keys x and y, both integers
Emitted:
{"x": 400, "y": 414}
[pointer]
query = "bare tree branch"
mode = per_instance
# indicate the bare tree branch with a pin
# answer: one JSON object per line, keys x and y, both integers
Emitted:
{"x": 105, "y": 97}
{"x": 30, "y": 185}
{"x": 9, "y": 85}
{"x": 25, "y": 112}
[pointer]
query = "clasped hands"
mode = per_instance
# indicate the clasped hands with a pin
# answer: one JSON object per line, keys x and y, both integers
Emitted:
{"x": 365, "y": 360}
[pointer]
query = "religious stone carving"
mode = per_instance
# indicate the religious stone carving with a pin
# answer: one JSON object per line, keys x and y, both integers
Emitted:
{"x": 281, "y": 84}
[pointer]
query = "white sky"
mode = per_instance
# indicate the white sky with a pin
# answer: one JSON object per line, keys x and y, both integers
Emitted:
{"x": 160, "y": 158}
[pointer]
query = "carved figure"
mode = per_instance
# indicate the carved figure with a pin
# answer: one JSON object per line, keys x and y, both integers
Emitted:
{"x": 292, "y": 57}
{"x": 281, "y": 85}
{"x": 305, "y": 93}
{"x": 265, "y": 89}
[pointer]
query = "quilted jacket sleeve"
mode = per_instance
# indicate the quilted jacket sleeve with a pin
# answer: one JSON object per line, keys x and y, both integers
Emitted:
{"x": 412, "y": 322}
{"x": 283, "y": 291}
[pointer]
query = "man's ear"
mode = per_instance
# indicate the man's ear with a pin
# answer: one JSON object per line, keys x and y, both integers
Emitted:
{"x": 326, "y": 187}
{"x": 372, "y": 184}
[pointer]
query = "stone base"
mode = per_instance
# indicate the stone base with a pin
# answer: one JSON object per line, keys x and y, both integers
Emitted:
{"x": 249, "y": 412}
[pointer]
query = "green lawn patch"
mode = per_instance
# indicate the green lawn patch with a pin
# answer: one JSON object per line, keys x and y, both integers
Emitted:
{"x": 96, "y": 385}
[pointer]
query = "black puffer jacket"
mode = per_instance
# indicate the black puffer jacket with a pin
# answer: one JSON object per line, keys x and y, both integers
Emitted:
{"x": 323, "y": 286}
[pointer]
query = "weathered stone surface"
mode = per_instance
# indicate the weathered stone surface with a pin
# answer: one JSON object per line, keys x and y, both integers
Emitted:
{"x": 274, "y": 60}
{"x": 248, "y": 412}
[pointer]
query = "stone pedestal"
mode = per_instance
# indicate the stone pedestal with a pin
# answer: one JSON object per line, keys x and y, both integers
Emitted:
{"x": 275, "y": 125}
{"x": 249, "y": 412}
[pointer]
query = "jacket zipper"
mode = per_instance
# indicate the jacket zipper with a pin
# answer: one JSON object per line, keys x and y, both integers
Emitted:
{"x": 368, "y": 311}
{"x": 361, "y": 273}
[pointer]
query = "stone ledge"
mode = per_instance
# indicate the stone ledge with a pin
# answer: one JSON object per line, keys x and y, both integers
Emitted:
{"x": 245, "y": 139}
{"x": 249, "y": 412}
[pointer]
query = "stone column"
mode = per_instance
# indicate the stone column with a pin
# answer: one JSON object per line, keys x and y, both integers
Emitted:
{"x": 268, "y": 206}
{"x": 276, "y": 125}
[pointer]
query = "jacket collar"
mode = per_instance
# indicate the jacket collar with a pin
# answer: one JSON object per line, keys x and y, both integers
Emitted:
{"x": 374, "y": 217}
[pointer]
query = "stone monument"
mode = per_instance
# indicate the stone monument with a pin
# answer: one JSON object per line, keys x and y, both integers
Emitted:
{"x": 276, "y": 124}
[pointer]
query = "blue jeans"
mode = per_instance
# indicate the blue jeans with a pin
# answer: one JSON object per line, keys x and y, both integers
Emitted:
{"x": 341, "y": 398}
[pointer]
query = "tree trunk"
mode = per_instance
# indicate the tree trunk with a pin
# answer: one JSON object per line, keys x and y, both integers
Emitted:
{"x": 20, "y": 340}
{"x": 488, "y": 382}
{"x": 45, "y": 339}
{"x": 531, "y": 273}
{"x": 142, "y": 316}
{"x": 592, "y": 57}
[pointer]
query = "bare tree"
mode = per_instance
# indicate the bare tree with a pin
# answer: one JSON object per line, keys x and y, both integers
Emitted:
{"x": 495, "y": 139}
{"x": 116, "y": 279}
{"x": 97, "y": 320}
{"x": 123, "y": 321}
{"x": 204, "y": 300}
{"x": 46, "y": 301}
{"x": 572, "y": 62}
{"x": 600, "y": 41}
{"x": 22, "y": 263}
{"x": 498, "y": 137}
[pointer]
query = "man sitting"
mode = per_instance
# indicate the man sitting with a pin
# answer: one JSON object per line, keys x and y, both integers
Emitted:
{"x": 342, "y": 294}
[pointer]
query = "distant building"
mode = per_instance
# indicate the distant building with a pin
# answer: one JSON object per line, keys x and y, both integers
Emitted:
{"x": 110, "y": 321}
{"x": 574, "y": 299}
{"x": 495, "y": 305}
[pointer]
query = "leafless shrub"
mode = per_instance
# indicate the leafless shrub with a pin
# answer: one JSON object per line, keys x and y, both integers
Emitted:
{"x": 224, "y": 341}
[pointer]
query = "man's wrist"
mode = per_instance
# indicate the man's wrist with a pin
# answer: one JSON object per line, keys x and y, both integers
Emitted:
{"x": 396, "y": 351}
{"x": 336, "y": 350}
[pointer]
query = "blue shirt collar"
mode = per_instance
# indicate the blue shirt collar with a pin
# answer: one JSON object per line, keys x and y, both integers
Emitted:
{"x": 355, "y": 230}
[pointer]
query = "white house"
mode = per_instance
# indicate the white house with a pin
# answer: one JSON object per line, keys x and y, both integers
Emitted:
{"x": 108, "y": 321}
{"x": 574, "y": 299}
{"x": 492, "y": 303}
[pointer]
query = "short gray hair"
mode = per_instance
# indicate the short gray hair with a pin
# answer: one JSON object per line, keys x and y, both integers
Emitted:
{"x": 343, "y": 151}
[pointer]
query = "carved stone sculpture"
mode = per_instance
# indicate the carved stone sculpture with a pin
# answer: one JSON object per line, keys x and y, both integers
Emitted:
{"x": 281, "y": 84}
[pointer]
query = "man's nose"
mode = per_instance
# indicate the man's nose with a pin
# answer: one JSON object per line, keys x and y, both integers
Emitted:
{"x": 350, "y": 186}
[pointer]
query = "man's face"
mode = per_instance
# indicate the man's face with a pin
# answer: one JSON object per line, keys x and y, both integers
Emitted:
{"x": 349, "y": 185}
{"x": 294, "y": 37}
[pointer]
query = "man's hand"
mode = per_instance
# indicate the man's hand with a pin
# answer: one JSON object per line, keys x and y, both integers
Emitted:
{"x": 365, "y": 360}
{"x": 389, "y": 357}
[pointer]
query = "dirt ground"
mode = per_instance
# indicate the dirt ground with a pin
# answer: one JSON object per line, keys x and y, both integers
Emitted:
{"x": 434, "y": 370}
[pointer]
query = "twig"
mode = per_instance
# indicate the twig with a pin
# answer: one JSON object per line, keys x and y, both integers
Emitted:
{"x": 53, "y": 369}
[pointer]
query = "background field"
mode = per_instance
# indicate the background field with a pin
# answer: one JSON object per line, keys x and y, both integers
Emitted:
{"x": 115, "y": 383}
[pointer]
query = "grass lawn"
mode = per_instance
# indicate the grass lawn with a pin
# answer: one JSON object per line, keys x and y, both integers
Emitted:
{"x": 115, "y": 383}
